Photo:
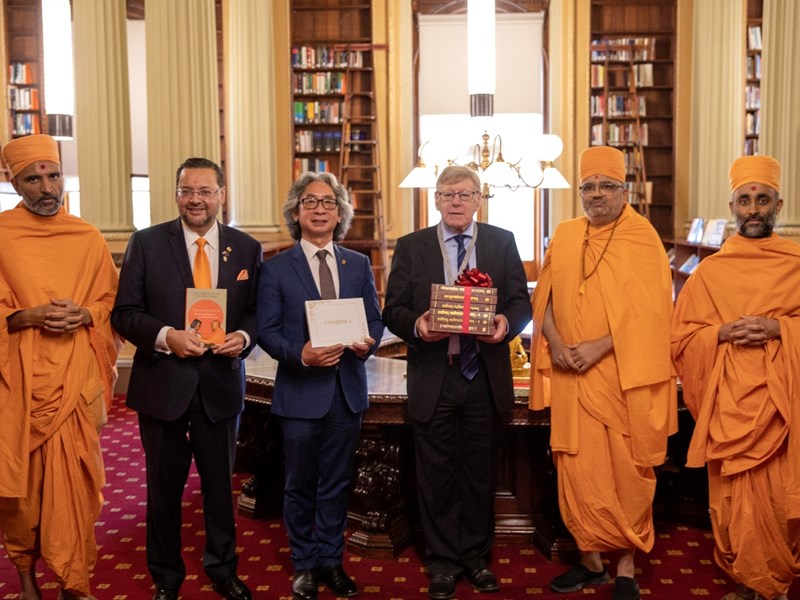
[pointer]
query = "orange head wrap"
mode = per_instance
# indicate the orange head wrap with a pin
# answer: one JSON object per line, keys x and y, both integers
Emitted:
{"x": 21, "y": 152}
{"x": 755, "y": 169}
{"x": 602, "y": 160}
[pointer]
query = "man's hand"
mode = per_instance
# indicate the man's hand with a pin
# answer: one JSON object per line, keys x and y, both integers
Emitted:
{"x": 233, "y": 345}
{"x": 60, "y": 316}
{"x": 750, "y": 331}
{"x": 424, "y": 333}
{"x": 500, "y": 331}
{"x": 185, "y": 343}
{"x": 361, "y": 349}
{"x": 587, "y": 354}
{"x": 327, "y": 356}
{"x": 561, "y": 356}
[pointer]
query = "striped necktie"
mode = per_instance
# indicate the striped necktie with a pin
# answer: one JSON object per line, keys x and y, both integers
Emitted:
{"x": 469, "y": 348}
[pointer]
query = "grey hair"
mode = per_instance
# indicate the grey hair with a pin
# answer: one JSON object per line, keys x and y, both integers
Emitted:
{"x": 456, "y": 173}
{"x": 292, "y": 204}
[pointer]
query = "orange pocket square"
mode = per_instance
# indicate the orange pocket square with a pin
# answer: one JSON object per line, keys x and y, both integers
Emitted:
{"x": 242, "y": 276}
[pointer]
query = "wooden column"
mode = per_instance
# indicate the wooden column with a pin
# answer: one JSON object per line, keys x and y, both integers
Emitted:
{"x": 182, "y": 93}
{"x": 102, "y": 119}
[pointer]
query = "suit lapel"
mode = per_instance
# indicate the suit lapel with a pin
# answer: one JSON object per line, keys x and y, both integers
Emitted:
{"x": 178, "y": 245}
{"x": 225, "y": 275}
{"x": 303, "y": 270}
{"x": 432, "y": 256}
{"x": 348, "y": 286}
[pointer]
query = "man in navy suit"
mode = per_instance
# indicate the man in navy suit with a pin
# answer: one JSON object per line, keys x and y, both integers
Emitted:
{"x": 189, "y": 396}
{"x": 456, "y": 388}
{"x": 319, "y": 393}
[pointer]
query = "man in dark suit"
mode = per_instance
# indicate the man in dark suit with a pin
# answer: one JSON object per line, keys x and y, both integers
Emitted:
{"x": 457, "y": 388}
{"x": 189, "y": 396}
{"x": 320, "y": 392}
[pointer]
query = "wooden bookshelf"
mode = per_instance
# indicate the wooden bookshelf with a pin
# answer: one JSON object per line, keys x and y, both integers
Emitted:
{"x": 25, "y": 72}
{"x": 334, "y": 113}
{"x": 680, "y": 251}
{"x": 752, "y": 90}
{"x": 632, "y": 97}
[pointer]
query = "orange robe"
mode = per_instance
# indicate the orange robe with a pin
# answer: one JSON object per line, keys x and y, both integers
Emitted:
{"x": 746, "y": 403}
{"x": 609, "y": 425}
{"x": 51, "y": 469}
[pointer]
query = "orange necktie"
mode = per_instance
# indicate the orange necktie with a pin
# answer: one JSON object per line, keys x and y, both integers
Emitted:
{"x": 202, "y": 269}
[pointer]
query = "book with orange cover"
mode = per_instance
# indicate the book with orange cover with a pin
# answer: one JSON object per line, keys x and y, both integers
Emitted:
{"x": 206, "y": 310}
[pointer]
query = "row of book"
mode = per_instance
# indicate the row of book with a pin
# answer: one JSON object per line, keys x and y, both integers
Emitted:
{"x": 754, "y": 66}
{"x": 642, "y": 76}
{"x": 639, "y": 193}
{"x": 326, "y": 57}
{"x": 23, "y": 98}
{"x": 751, "y": 146}
{"x": 25, "y": 124}
{"x": 752, "y": 123}
{"x": 301, "y": 165}
{"x": 318, "y": 112}
{"x": 618, "y": 105}
{"x": 320, "y": 82}
{"x": 623, "y": 49}
{"x": 20, "y": 73}
{"x": 754, "y": 37}
{"x": 619, "y": 135}
{"x": 709, "y": 232}
{"x": 752, "y": 97}
{"x": 306, "y": 140}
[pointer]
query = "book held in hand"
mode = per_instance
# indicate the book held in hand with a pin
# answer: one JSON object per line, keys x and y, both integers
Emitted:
{"x": 206, "y": 310}
{"x": 340, "y": 321}
{"x": 462, "y": 309}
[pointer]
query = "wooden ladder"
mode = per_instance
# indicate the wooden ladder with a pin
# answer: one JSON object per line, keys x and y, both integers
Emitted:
{"x": 360, "y": 164}
{"x": 639, "y": 195}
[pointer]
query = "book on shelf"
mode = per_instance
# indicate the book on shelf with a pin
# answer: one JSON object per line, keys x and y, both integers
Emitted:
{"x": 690, "y": 264}
{"x": 714, "y": 233}
{"x": 671, "y": 257}
{"x": 696, "y": 231}
{"x": 754, "y": 37}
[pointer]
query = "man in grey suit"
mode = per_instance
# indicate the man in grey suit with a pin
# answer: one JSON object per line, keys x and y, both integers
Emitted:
{"x": 458, "y": 386}
{"x": 188, "y": 395}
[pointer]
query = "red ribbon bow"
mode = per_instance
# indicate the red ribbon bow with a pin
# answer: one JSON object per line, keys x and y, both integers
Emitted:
{"x": 474, "y": 278}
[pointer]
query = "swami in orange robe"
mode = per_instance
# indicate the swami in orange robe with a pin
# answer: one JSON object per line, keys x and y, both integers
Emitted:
{"x": 742, "y": 385}
{"x": 610, "y": 416}
{"x": 51, "y": 470}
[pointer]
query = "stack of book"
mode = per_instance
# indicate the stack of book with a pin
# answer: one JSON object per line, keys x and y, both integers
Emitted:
{"x": 462, "y": 309}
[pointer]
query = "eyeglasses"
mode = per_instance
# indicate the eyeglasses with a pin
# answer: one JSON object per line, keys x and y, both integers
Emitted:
{"x": 450, "y": 196}
{"x": 312, "y": 202}
{"x": 204, "y": 193}
{"x": 606, "y": 188}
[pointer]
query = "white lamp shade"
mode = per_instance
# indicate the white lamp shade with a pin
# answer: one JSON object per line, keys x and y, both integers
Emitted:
{"x": 548, "y": 147}
{"x": 553, "y": 179}
{"x": 500, "y": 174}
{"x": 420, "y": 177}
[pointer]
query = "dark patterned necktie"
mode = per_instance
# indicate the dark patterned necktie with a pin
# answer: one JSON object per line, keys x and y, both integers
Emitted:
{"x": 469, "y": 349}
{"x": 327, "y": 291}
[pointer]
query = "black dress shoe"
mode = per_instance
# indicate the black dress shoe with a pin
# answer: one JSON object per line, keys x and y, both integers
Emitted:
{"x": 232, "y": 588}
{"x": 165, "y": 594}
{"x": 338, "y": 581}
{"x": 304, "y": 586}
{"x": 442, "y": 587}
{"x": 483, "y": 580}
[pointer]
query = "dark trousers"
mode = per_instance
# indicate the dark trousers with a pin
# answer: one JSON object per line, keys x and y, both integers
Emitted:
{"x": 169, "y": 447}
{"x": 455, "y": 474}
{"x": 319, "y": 468}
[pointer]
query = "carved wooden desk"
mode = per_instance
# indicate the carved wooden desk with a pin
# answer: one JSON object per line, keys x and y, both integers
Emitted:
{"x": 383, "y": 502}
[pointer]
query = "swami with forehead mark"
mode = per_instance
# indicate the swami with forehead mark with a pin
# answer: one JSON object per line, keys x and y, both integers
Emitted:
{"x": 57, "y": 353}
{"x": 735, "y": 340}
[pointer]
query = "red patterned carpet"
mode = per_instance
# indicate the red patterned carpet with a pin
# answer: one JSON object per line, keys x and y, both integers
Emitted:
{"x": 679, "y": 567}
